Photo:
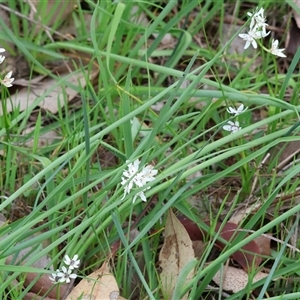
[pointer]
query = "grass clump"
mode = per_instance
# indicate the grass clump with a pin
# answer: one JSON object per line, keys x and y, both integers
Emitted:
{"x": 168, "y": 85}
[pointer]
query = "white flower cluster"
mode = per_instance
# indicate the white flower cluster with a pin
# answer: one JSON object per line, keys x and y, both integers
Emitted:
{"x": 258, "y": 30}
{"x": 234, "y": 126}
{"x": 65, "y": 274}
{"x": 7, "y": 80}
{"x": 132, "y": 177}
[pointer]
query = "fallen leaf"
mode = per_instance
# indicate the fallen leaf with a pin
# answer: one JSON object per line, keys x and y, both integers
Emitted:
{"x": 234, "y": 280}
{"x": 101, "y": 284}
{"x": 247, "y": 257}
{"x": 176, "y": 252}
{"x": 263, "y": 241}
{"x": 264, "y": 244}
{"x": 53, "y": 98}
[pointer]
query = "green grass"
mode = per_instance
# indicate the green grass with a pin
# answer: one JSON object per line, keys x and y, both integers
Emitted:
{"x": 71, "y": 187}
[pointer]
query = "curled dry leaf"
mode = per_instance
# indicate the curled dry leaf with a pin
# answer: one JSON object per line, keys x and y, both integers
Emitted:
{"x": 101, "y": 284}
{"x": 234, "y": 280}
{"x": 176, "y": 252}
{"x": 247, "y": 257}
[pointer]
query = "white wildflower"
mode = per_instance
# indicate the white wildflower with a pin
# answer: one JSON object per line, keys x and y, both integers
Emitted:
{"x": 250, "y": 40}
{"x": 7, "y": 80}
{"x": 274, "y": 49}
{"x": 238, "y": 111}
{"x": 257, "y": 30}
{"x": 72, "y": 263}
{"x": 66, "y": 274}
{"x": 55, "y": 278}
{"x": 257, "y": 19}
{"x": 141, "y": 195}
{"x": 232, "y": 126}
{"x": 133, "y": 178}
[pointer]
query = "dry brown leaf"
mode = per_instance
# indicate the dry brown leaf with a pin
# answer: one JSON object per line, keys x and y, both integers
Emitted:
{"x": 263, "y": 241}
{"x": 99, "y": 285}
{"x": 264, "y": 244}
{"x": 249, "y": 255}
{"x": 234, "y": 280}
{"x": 176, "y": 252}
{"x": 53, "y": 98}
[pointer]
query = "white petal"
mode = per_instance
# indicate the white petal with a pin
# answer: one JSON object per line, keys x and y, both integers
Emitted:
{"x": 254, "y": 44}
{"x": 8, "y": 75}
{"x": 247, "y": 45}
{"x": 227, "y": 127}
{"x": 142, "y": 196}
{"x": 240, "y": 108}
{"x": 231, "y": 110}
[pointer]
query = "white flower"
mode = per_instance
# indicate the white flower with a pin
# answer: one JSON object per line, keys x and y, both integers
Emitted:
{"x": 72, "y": 263}
{"x": 133, "y": 178}
{"x": 55, "y": 278}
{"x": 274, "y": 49}
{"x": 259, "y": 32}
{"x": 232, "y": 126}
{"x": 7, "y": 81}
{"x": 141, "y": 195}
{"x": 2, "y": 50}
{"x": 66, "y": 275}
{"x": 257, "y": 19}
{"x": 238, "y": 111}
{"x": 248, "y": 37}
